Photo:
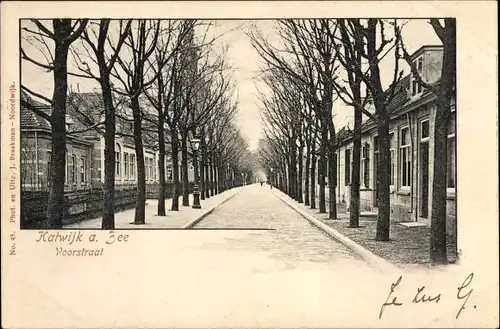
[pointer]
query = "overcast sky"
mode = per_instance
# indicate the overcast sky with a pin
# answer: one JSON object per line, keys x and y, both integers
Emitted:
{"x": 246, "y": 63}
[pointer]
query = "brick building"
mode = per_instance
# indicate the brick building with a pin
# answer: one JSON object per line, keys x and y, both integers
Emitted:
{"x": 412, "y": 112}
{"x": 85, "y": 147}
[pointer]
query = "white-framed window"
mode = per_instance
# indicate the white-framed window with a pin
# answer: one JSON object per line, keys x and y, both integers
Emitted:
{"x": 392, "y": 148}
{"x": 156, "y": 164}
{"x": 404, "y": 157}
{"x": 66, "y": 171}
{"x": 347, "y": 163}
{"x": 451, "y": 158}
{"x": 132, "y": 166}
{"x": 170, "y": 173}
{"x": 72, "y": 168}
{"x": 83, "y": 177}
{"x": 424, "y": 130}
{"x": 126, "y": 169}
{"x": 416, "y": 87}
{"x": 117, "y": 160}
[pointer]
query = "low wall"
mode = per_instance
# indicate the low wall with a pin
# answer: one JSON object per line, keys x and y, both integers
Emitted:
{"x": 83, "y": 204}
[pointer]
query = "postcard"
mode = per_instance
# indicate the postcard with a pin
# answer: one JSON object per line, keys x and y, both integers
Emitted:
{"x": 249, "y": 164}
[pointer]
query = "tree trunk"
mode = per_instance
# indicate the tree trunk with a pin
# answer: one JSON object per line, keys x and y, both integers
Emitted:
{"x": 383, "y": 182}
{"x": 208, "y": 182}
{"x": 292, "y": 174}
{"x": 202, "y": 168}
{"x": 306, "y": 183}
{"x": 58, "y": 123}
{"x": 322, "y": 170}
{"x": 108, "y": 212}
{"x": 212, "y": 178}
{"x": 175, "y": 169}
{"x": 313, "y": 178}
{"x": 300, "y": 196}
{"x": 140, "y": 206}
{"x": 354, "y": 202}
{"x": 438, "y": 250}
{"x": 185, "y": 178}
{"x": 161, "y": 160}
{"x": 438, "y": 218}
{"x": 383, "y": 169}
{"x": 220, "y": 179}
{"x": 332, "y": 182}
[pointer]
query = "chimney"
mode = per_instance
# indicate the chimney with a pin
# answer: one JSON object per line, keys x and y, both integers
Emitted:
{"x": 78, "y": 87}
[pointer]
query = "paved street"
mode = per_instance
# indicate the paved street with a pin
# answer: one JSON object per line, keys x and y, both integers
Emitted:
{"x": 255, "y": 258}
{"x": 276, "y": 230}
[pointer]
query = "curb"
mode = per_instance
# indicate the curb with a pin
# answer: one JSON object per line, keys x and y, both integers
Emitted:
{"x": 208, "y": 212}
{"x": 367, "y": 255}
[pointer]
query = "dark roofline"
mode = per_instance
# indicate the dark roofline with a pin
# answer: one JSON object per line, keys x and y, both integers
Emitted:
{"x": 420, "y": 50}
{"x": 49, "y": 132}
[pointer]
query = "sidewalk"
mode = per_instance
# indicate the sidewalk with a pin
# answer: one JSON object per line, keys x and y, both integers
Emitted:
{"x": 408, "y": 246}
{"x": 186, "y": 217}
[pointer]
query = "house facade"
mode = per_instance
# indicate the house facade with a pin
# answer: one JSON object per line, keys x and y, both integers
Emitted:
{"x": 84, "y": 148}
{"x": 412, "y": 112}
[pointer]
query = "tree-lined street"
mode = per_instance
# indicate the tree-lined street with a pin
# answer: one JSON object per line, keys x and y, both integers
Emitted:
{"x": 164, "y": 120}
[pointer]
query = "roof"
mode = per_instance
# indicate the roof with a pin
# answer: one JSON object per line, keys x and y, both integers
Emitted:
{"x": 28, "y": 118}
{"x": 85, "y": 110}
{"x": 396, "y": 106}
{"x": 424, "y": 48}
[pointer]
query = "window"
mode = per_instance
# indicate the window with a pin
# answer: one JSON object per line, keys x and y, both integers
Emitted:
{"x": 148, "y": 169}
{"x": 154, "y": 168}
{"x": 71, "y": 169}
{"x": 416, "y": 87}
{"x": 126, "y": 165}
{"x": 391, "y": 149}
{"x": 347, "y": 167}
{"x": 49, "y": 163}
{"x": 170, "y": 174}
{"x": 451, "y": 170}
{"x": 404, "y": 156}
{"x": 150, "y": 172}
{"x": 66, "y": 167}
{"x": 117, "y": 160}
{"x": 366, "y": 164}
{"x": 424, "y": 129}
{"x": 82, "y": 170}
{"x": 132, "y": 166}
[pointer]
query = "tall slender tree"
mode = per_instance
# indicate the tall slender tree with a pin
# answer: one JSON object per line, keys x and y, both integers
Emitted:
{"x": 445, "y": 91}
{"x": 64, "y": 32}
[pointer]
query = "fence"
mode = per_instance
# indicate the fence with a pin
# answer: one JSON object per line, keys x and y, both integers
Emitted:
{"x": 81, "y": 205}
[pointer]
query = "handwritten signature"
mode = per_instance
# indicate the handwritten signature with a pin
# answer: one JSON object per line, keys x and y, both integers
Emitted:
{"x": 423, "y": 297}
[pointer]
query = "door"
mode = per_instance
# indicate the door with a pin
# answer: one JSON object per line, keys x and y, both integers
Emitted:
{"x": 424, "y": 180}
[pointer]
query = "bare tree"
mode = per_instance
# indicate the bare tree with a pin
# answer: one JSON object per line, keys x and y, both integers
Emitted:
{"x": 309, "y": 45}
{"x": 64, "y": 32}
{"x": 162, "y": 96}
{"x": 204, "y": 85}
{"x": 371, "y": 41}
{"x": 102, "y": 51}
{"x": 445, "y": 91}
{"x": 350, "y": 57}
{"x": 141, "y": 42}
